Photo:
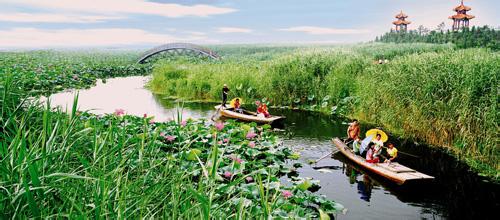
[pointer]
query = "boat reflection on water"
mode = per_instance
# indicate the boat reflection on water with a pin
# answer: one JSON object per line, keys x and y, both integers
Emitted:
{"x": 365, "y": 185}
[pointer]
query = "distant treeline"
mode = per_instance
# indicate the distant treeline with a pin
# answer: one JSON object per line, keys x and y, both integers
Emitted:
{"x": 466, "y": 38}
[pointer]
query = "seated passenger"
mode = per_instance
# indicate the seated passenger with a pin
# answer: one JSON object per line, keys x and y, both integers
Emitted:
{"x": 370, "y": 154}
{"x": 392, "y": 153}
{"x": 237, "y": 106}
{"x": 262, "y": 109}
{"x": 377, "y": 150}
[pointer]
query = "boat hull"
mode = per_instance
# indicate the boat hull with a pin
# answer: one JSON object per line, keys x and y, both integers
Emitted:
{"x": 248, "y": 118}
{"x": 394, "y": 171}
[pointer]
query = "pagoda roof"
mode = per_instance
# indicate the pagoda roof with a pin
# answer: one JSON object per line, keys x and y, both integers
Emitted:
{"x": 399, "y": 22}
{"x": 462, "y": 16}
{"x": 462, "y": 7}
{"x": 401, "y": 15}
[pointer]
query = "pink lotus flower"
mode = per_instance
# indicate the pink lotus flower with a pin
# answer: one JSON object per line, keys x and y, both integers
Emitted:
{"x": 183, "y": 123}
{"x": 249, "y": 179}
{"x": 145, "y": 115}
{"x": 286, "y": 194}
{"x": 219, "y": 126}
{"x": 227, "y": 174}
{"x": 251, "y": 135}
{"x": 220, "y": 142}
{"x": 226, "y": 140}
{"x": 170, "y": 138}
{"x": 236, "y": 159}
{"x": 151, "y": 121}
{"x": 251, "y": 144}
{"x": 162, "y": 134}
{"x": 119, "y": 112}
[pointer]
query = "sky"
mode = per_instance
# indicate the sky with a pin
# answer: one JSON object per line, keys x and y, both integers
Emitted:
{"x": 35, "y": 24}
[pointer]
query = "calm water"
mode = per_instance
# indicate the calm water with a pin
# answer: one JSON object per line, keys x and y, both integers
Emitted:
{"x": 455, "y": 194}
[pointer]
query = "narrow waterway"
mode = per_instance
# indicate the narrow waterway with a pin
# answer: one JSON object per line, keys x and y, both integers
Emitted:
{"x": 456, "y": 193}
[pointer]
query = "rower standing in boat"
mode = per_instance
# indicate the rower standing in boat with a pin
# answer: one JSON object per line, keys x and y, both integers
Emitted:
{"x": 353, "y": 135}
{"x": 225, "y": 91}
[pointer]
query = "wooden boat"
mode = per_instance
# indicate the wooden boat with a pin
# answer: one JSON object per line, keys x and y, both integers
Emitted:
{"x": 394, "y": 171}
{"x": 248, "y": 116}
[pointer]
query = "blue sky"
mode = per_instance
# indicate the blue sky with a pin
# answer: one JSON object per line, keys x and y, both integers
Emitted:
{"x": 142, "y": 23}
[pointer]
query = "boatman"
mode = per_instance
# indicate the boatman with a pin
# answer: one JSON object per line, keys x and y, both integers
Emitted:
{"x": 353, "y": 134}
{"x": 225, "y": 91}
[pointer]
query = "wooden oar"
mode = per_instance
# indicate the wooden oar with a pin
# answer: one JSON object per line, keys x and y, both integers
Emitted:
{"x": 216, "y": 112}
{"x": 323, "y": 157}
{"x": 404, "y": 153}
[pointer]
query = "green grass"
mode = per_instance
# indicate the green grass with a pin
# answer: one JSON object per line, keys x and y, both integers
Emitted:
{"x": 440, "y": 95}
{"x": 79, "y": 165}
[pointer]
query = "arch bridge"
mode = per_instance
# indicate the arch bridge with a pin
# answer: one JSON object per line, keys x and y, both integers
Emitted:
{"x": 179, "y": 49}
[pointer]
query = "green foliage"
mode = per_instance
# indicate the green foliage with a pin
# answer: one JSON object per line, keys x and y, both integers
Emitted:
{"x": 434, "y": 92}
{"x": 45, "y": 72}
{"x": 448, "y": 99}
{"x": 466, "y": 38}
{"x": 87, "y": 166}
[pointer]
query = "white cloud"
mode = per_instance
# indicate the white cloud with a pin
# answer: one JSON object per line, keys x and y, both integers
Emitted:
{"x": 126, "y": 6}
{"x": 233, "y": 30}
{"x": 322, "y": 30}
{"x": 54, "y": 18}
{"x": 41, "y": 38}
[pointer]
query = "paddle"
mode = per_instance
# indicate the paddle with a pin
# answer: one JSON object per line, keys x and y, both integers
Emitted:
{"x": 323, "y": 157}
{"x": 404, "y": 153}
{"x": 216, "y": 112}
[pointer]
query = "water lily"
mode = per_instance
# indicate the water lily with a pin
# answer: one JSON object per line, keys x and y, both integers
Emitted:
{"x": 219, "y": 142}
{"x": 251, "y": 144}
{"x": 162, "y": 134}
{"x": 249, "y": 179}
{"x": 119, "y": 112}
{"x": 225, "y": 140}
{"x": 170, "y": 138}
{"x": 251, "y": 135}
{"x": 219, "y": 126}
{"x": 286, "y": 194}
{"x": 227, "y": 174}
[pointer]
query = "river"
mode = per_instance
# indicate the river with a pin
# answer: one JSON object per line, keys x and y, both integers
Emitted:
{"x": 456, "y": 193}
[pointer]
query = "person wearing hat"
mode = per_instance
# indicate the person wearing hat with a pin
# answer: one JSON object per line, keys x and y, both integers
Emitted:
{"x": 225, "y": 91}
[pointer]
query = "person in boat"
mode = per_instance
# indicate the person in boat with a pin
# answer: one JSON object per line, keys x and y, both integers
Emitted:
{"x": 225, "y": 92}
{"x": 392, "y": 153}
{"x": 237, "y": 106}
{"x": 370, "y": 154}
{"x": 262, "y": 109}
{"x": 353, "y": 135}
{"x": 378, "y": 144}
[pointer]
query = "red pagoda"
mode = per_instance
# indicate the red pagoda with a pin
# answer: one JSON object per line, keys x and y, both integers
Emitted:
{"x": 401, "y": 23}
{"x": 461, "y": 19}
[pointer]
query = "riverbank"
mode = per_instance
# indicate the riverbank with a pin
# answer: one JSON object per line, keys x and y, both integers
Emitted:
{"x": 441, "y": 96}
